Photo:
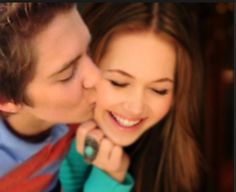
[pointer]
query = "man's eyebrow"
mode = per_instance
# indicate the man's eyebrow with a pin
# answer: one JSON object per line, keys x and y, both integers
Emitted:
{"x": 166, "y": 79}
{"x": 66, "y": 66}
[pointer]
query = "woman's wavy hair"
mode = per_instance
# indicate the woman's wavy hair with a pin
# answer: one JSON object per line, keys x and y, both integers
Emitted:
{"x": 167, "y": 157}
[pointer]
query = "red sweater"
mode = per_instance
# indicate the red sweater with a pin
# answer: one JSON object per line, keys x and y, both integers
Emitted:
{"x": 31, "y": 176}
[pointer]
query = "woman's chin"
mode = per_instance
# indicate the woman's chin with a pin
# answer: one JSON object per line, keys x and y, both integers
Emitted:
{"x": 122, "y": 141}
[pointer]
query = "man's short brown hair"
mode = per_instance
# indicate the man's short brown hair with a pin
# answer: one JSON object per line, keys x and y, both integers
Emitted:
{"x": 19, "y": 23}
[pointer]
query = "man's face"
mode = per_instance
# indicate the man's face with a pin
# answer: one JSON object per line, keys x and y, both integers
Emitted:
{"x": 63, "y": 86}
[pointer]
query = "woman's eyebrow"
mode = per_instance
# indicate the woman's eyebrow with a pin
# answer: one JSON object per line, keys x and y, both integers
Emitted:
{"x": 119, "y": 71}
{"x": 163, "y": 80}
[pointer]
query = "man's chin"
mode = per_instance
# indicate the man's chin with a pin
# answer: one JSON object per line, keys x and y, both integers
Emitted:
{"x": 87, "y": 117}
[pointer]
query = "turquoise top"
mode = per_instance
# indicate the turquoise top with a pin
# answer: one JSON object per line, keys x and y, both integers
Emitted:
{"x": 77, "y": 176}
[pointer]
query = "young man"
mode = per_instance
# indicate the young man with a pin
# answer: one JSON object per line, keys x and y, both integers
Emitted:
{"x": 46, "y": 79}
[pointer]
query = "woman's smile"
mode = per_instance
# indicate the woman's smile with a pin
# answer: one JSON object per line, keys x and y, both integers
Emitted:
{"x": 126, "y": 124}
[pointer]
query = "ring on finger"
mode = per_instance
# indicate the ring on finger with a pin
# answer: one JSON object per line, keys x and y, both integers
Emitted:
{"x": 90, "y": 149}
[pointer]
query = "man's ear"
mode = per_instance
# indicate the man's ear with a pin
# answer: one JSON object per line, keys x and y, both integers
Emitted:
{"x": 9, "y": 106}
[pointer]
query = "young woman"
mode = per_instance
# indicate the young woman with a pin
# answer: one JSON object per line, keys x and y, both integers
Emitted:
{"x": 148, "y": 100}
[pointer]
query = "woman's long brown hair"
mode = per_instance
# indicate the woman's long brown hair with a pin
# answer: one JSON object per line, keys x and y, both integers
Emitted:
{"x": 166, "y": 158}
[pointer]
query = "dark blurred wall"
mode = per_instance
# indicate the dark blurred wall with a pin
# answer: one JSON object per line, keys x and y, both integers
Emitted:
{"x": 216, "y": 28}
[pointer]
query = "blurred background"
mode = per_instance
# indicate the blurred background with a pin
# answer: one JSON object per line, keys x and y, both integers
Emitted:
{"x": 216, "y": 26}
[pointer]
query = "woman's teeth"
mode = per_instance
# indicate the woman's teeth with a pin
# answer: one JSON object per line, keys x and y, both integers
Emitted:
{"x": 125, "y": 122}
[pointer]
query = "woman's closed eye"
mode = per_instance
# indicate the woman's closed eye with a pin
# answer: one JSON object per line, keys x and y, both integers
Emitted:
{"x": 118, "y": 84}
{"x": 160, "y": 91}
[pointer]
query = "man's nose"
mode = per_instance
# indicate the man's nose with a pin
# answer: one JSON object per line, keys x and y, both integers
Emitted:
{"x": 93, "y": 75}
{"x": 91, "y": 95}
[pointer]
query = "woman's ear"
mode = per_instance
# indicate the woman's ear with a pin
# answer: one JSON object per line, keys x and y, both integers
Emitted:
{"x": 8, "y": 106}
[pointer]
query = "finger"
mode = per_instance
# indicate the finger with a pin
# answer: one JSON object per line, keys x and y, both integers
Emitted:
{"x": 104, "y": 152}
{"x": 91, "y": 145}
{"x": 96, "y": 134}
{"x": 125, "y": 161}
{"x": 116, "y": 156}
{"x": 81, "y": 134}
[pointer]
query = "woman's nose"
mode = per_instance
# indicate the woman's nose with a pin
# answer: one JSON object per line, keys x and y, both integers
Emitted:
{"x": 135, "y": 104}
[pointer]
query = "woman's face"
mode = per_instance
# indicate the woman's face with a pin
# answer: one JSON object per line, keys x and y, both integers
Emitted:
{"x": 136, "y": 90}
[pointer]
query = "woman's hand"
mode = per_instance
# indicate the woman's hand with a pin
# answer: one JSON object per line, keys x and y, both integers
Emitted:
{"x": 110, "y": 157}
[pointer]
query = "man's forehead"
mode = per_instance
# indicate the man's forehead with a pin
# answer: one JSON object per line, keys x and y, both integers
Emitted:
{"x": 64, "y": 39}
